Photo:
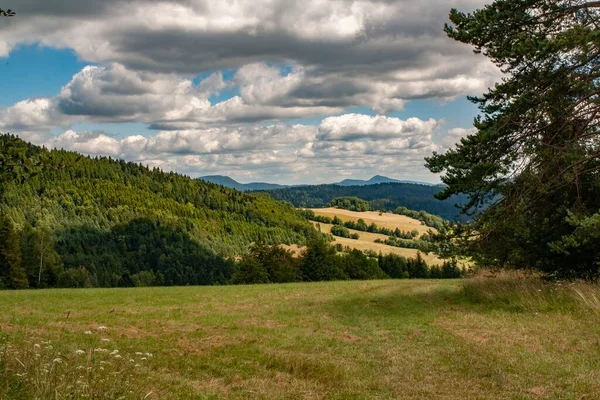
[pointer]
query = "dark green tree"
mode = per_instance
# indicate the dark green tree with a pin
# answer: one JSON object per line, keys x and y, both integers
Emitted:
{"x": 320, "y": 263}
{"x": 250, "y": 271}
{"x": 535, "y": 156}
{"x": 12, "y": 273}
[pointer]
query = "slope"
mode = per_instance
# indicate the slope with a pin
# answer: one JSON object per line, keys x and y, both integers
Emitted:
{"x": 118, "y": 219}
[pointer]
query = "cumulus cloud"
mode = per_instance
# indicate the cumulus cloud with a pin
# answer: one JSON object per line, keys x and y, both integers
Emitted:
{"x": 290, "y": 152}
{"x": 284, "y": 60}
{"x": 357, "y": 126}
{"x": 385, "y": 51}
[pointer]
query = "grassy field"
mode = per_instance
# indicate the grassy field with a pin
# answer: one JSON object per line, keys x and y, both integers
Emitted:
{"x": 385, "y": 220}
{"x": 337, "y": 340}
{"x": 366, "y": 241}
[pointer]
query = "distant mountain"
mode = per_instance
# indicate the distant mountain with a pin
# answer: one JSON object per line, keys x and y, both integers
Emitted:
{"x": 377, "y": 179}
{"x": 242, "y": 187}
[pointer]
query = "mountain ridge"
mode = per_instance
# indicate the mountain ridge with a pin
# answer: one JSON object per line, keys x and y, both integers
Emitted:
{"x": 229, "y": 182}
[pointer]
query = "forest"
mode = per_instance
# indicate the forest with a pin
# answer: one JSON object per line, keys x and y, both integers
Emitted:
{"x": 73, "y": 221}
{"x": 119, "y": 220}
{"x": 383, "y": 196}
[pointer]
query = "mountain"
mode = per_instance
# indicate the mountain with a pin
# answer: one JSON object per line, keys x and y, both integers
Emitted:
{"x": 262, "y": 186}
{"x": 233, "y": 184}
{"x": 115, "y": 223}
{"x": 383, "y": 196}
{"x": 377, "y": 179}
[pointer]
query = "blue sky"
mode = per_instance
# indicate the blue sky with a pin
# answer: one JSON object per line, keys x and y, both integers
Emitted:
{"x": 308, "y": 94}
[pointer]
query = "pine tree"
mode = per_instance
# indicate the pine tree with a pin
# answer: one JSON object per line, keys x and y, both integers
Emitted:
{"x": 12, "y": 273}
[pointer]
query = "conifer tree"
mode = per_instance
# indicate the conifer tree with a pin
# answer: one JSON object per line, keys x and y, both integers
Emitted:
{"x": 12, "y": 273}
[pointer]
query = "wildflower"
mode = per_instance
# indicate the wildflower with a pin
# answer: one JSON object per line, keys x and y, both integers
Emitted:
{"x": 131, "y": 360}
{"x": 57, "y": 361}
{"x": 114, "y": 352}
{"x": 36, "y": 346}
{"x": 49, "y": 347}
{"x": 136, "y": 365}
{"x": 102, "y": 328}
{"x": 118, "y": 356}
{"x": 87, "y": 332}
{"x": 37, "y": 355}
{"x": 100, "y": 350}
{"x": 143, "y": 358}
{"x": 79, "y": 352}
{"x": 105, "y": 340}
{"x": 149, "y": 355}
{"x": 137, "y": 353}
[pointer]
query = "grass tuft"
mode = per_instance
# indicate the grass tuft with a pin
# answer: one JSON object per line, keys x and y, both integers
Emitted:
{"x": 35, "y": 368}
{"x": 528, "y": 292}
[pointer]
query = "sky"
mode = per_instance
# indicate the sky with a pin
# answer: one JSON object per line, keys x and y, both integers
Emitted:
{"x": 289, "y": 92}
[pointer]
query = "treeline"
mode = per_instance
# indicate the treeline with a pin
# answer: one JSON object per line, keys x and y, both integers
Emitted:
{"x": 149, "y": 254}
{"x": 342, "y": 231}
{"x": 350, "y": 203}
{"x": 123, "y": 222}
{"x": 423, "y": 245}
{"x": 320, "y": 262}
{"x": 384, "y": 196}
{"x": 430, "y": 220}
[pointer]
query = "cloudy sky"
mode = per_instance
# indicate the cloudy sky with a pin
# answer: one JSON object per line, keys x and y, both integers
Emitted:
{"x": 283, "y": 91}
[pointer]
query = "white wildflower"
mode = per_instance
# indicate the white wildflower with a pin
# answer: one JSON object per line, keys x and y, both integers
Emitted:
{"x": 149, "y": 355}
{"x": 105, "y": 340}
{"x": 118, "y": 356}
{"x": 114, "y": 352}
{"x": 131, "y": 360}
{"x": 137, "y": 353}
{"x": 143, "y": 358}
{"x": 57, "y": 361}
{"x": 100, "y": 350}
{"x": 36, "y": 346}
{"x": 87, "y": 332}
{"x": 136, "y": 365}
{"x": 79, "y": 352}
{"x": 102, "y": 328}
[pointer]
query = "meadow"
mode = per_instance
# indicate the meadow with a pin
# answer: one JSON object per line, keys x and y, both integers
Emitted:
{"x": 484, "y": 338}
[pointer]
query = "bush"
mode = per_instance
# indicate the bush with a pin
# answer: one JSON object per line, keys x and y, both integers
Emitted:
{"x": 75, "y": 278}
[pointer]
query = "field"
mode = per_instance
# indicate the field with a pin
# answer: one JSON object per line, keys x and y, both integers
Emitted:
{"x": 336, "y": 340}
{"x": 385, "y": 220}
{"x": 366, "y": 241}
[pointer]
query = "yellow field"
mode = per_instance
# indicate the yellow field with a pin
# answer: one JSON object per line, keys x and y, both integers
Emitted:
{"x": 367, "y": 242}
{"x": 386, "y": 220}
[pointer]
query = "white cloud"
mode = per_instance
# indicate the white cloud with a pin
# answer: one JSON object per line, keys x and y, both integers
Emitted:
{"x": 357, "y": 126}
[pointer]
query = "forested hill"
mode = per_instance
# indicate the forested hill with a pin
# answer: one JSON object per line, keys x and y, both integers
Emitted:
{"x": 384, "y": 196}
{"x": 118, "y": 219}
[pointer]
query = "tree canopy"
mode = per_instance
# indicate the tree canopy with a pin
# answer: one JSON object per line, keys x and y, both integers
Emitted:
{"x": 535, "y": 156}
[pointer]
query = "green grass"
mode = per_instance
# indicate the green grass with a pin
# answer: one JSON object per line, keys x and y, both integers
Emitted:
{"x": 339, "y": 340}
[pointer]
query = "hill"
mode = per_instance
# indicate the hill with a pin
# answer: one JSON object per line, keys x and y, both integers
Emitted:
{"x": 233, "y": 184}
{"x": 377, "y": 179}
{"x": 411, "y": 339}
{"x": 124, "y": 222}
{"x": 383, "y": 196}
